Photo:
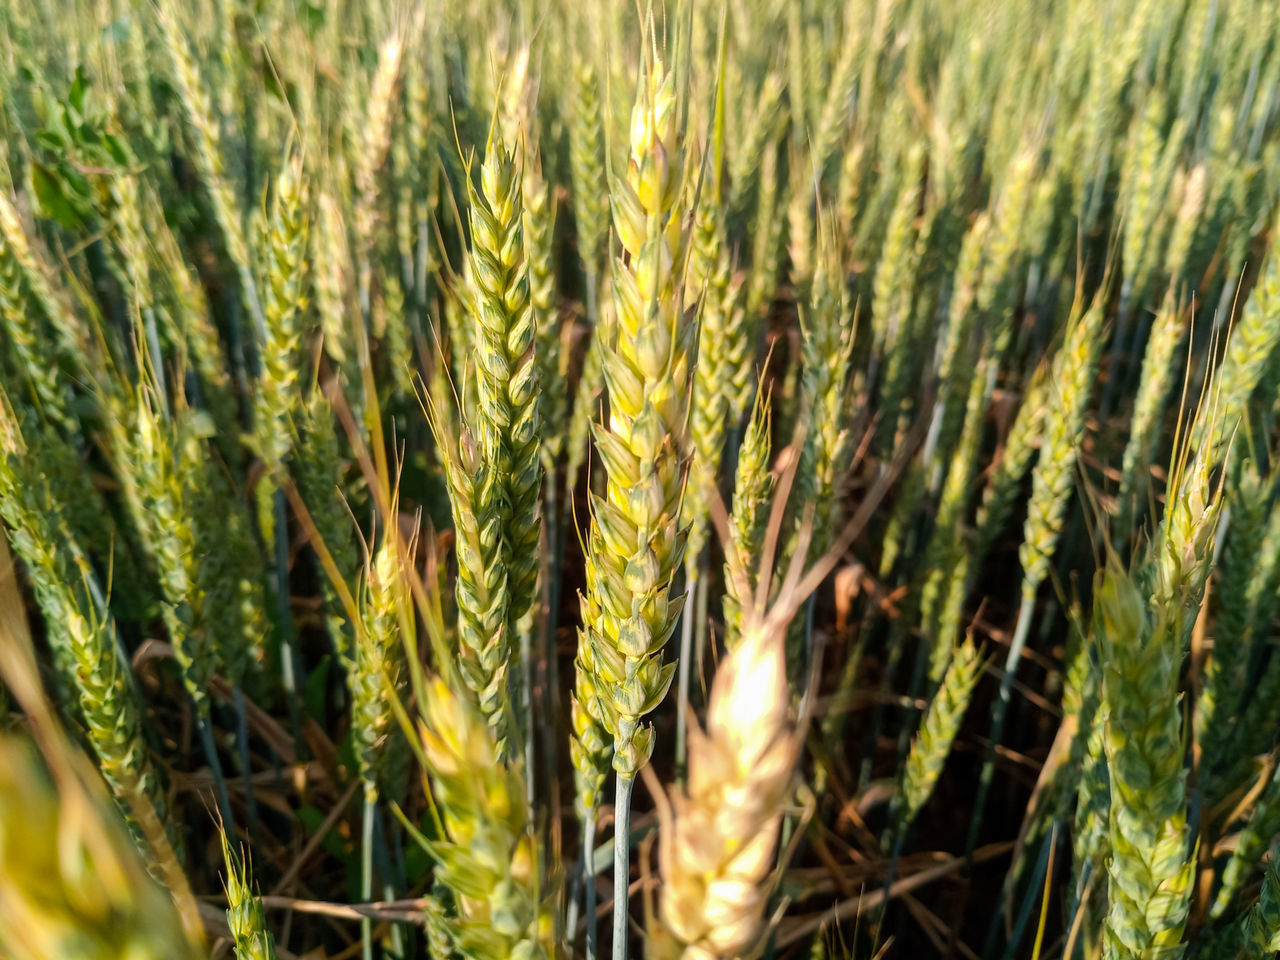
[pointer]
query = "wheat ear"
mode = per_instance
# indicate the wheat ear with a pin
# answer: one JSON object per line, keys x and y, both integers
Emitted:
{"x": 245, "y": 916}
{"x": 506, "y": 372}
{"x": 488, "y": 857}
{"x": 753, "y": 485}
{"x": 938, "y": 729}
{"x": 70, "y": 886}
{"x": 718, "y": 844}
{"x": 1150, "y": 871}
{"x": 636, "y": 541}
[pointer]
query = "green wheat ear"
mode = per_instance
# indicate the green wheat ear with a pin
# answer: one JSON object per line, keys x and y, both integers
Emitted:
{"x": 245, "y": 916}
{"x": 636, "y": 541}
{"x": 482, "y": 592}
{"x": 84, "y": 644}
{"x": 938, "y": 729}
{"x": 488, "y": 855}
{"x": 506, "y": 372}
{"x": 1150, "y": 870}
{"x": 752, "y": 488}
{"x": 1261, "y": 926}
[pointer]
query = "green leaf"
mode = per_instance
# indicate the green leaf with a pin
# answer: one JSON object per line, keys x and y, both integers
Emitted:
{"x": 312, "y": 819}
{"x": 51, "y": 198}
{"x": 313, "y": 696}
{"x": 75, "y": 97}
{"x": 52, "y": 141}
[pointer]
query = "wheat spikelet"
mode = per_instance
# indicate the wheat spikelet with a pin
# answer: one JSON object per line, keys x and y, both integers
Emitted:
{"x": 837, "y": 103}
{"x": 166, "y": 460}
{"x": 1090, "y": 839}
{"x": 200, "y": 117}
{"x": 376, "y": 670}
{"x": 190, "y": 318}
{"x": 800, "y": 229}
{"x": 827, "y": 344}
{"x": 1251, "y": 844}
{"x": 768, "y": 242}
{"x": 747, "y": 175}
{"x": 586, "y": 401}
{"x": 717, "y": 849}
{"x": 330, "y": 278}
{"x": 1150, "y": 870}
{"x": 16, "y": 246}
{"x": 1242, "y": 579}
{"x": 708, "y": 280}
{"x": 944, "y": 559}
{"x": 31, "y": 353}
{"x": 1147, "y": 178}
{"x": 318, "y": 469}
{"x": 1249, "y": 350}
{"x": 954, "y": 373}
{"x": 586, "y": 163}
{"x": 373, "y": 129}
{"x": 439, "y": 934}
{"x": 891, "y": 303}
{"x": 551, "y": 356}
{"x": 1002, "y": 489}
{"x": 1192, "y": 188}
{"x": 1261, "y": 925}
{"x": 994, "y": 294}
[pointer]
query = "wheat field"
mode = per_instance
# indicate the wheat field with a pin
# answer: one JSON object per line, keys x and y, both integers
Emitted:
{"x": 693, "y": 480}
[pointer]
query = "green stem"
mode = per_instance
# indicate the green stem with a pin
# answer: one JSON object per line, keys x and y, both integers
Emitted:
{"x": 1029, "y": 902}
{"x": 366, "y": 875}
{"x": 621, "y": 864}
{"x": 291, "y": 668}
{"x": 215, "y": 766}
{"x": 242, "y": 745}
{"x": 526, "y": 703}
{"x": 383, "y": 827}
{"x": 589, "y": 880}
{"x": 551, "y": 686}
{"x": 700, "y": 619}
{"x": 682, "y": 682}
{"x": 998, "y": 715}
